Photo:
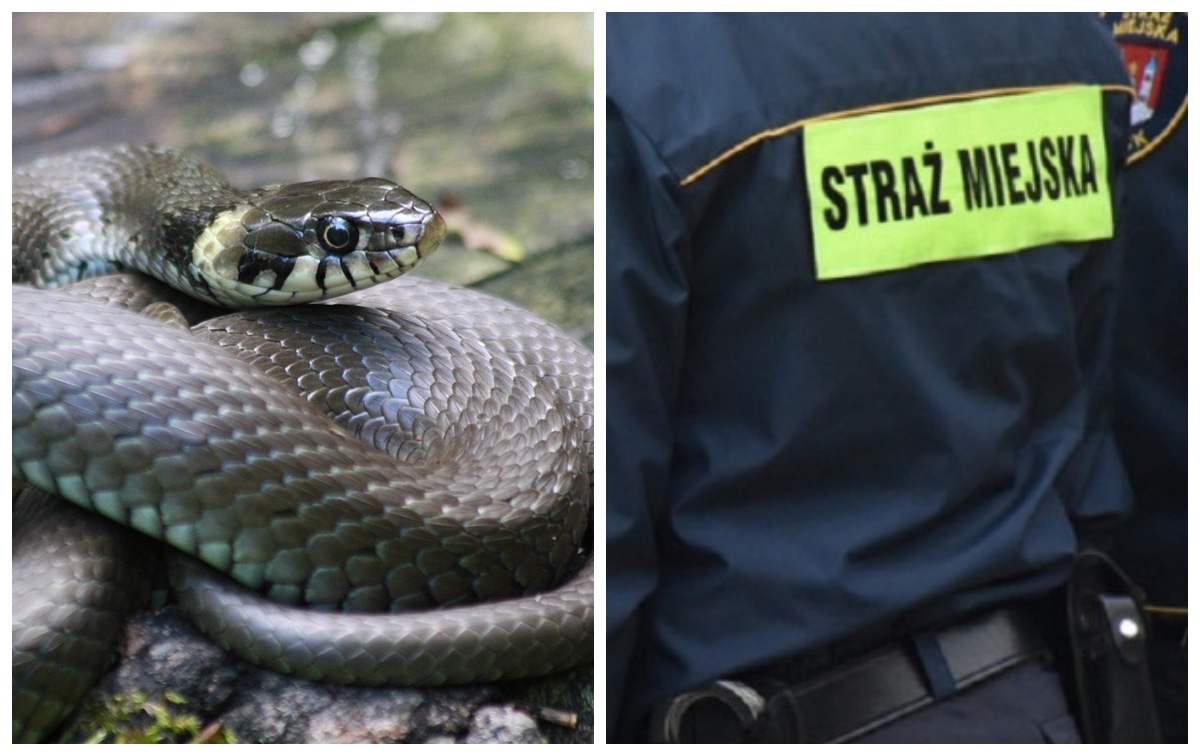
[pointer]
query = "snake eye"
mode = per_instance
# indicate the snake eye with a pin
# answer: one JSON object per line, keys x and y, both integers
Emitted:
{"x": 337, "y": 235}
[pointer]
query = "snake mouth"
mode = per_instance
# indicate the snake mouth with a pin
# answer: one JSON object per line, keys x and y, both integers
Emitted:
{"x": 432, "y": 234}
{"x": 230, "y": 273}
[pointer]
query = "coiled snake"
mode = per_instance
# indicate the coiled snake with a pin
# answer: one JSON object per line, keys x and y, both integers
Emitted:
{"x": 471, "y": 484}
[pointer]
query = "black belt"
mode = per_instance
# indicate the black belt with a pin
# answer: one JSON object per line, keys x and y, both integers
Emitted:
{"x": 861, "y": 695}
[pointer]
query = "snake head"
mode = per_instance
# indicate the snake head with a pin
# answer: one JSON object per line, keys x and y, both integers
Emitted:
{"x": 304, "y": 242}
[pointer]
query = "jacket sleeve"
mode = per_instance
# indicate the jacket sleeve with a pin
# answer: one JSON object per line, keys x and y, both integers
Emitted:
{"x": 1097, "y": 504}
{"x": 646, "y": 306}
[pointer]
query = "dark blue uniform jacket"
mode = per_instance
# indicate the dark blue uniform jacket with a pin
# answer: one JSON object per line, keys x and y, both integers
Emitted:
{"x": 1150, "y": 359}
{"x": 1150, "y": 355}
{"x": 791, "y": 462}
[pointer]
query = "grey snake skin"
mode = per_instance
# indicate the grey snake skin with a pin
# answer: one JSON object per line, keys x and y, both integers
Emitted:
{"x": 399, "y": 482}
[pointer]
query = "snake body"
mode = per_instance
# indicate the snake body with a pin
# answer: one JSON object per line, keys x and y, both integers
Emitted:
{"x": 365, "y": 463}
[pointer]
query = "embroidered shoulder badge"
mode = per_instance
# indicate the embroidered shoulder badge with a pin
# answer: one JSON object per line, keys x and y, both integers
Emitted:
{"x": 1154, "y": 46}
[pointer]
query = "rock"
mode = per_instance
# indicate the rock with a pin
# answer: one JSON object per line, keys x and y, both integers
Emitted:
{"x": 502, "y": 724}
{"x": 173, "y": 685}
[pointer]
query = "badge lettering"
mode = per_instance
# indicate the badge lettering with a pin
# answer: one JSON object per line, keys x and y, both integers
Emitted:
{"x": 1000, "y": 176}
{"x": 895, "y": 192}
{"x": 1012, "y": 174}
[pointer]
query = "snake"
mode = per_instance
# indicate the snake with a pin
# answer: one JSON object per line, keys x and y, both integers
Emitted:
{"x": 387, "y": 486}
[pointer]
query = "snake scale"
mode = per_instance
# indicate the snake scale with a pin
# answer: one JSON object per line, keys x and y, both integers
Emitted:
{"x": 399, "y": 481}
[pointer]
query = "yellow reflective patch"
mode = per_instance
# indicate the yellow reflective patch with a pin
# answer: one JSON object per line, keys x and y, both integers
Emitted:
{"x": 957, "y": 181}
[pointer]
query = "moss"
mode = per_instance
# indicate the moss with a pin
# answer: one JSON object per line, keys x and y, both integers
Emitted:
{"x": 135, "y": 718}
